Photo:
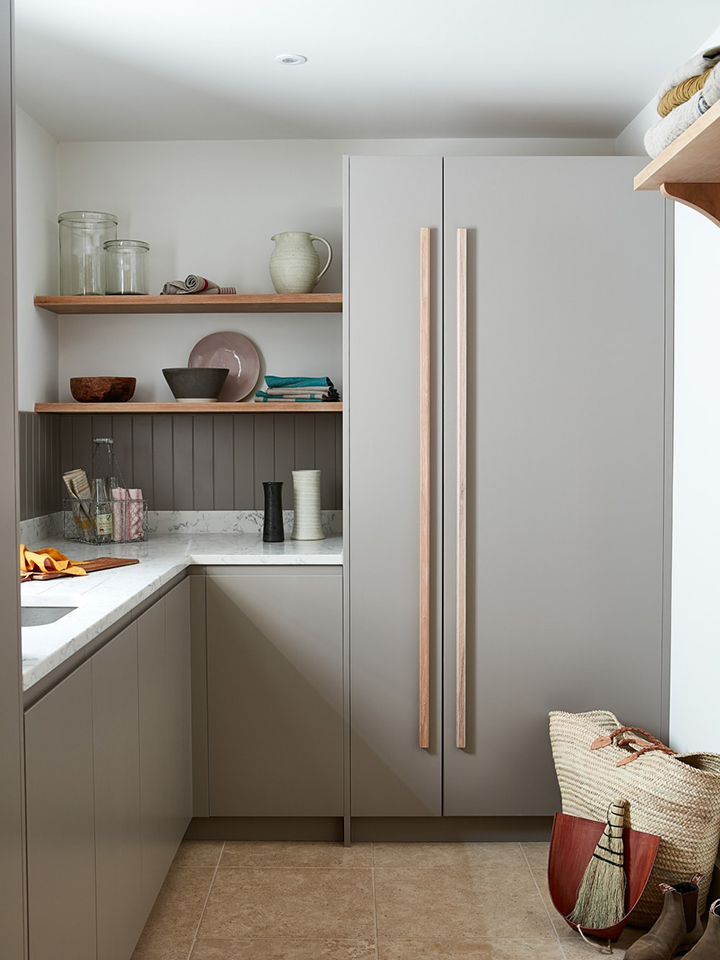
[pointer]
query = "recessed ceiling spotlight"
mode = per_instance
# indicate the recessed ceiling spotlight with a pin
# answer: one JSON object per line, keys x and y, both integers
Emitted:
{"x": 291, "y": 59}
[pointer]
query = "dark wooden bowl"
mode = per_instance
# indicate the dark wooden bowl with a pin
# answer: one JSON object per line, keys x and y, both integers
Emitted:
{"x": 102, "y": 389}
{"x": 571, "y": 847}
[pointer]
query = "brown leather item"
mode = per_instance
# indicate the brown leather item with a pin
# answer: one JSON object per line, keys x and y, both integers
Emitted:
{"x": 677, "y": 928}
{"x": 646, "y": 744}
{"x": 90, "y": 566}
{"x": 708, "y": 948}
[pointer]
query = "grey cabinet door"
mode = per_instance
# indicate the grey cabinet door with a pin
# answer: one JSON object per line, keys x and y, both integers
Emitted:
{"x": 389, "y": 200}
{"x": 177, "y": 628}
{"x": 158, "y": 848}
{"x": 117, "y": 796}
{"x": 60, "y": 822}
{"x": 566, "y": 464}
{"x": 275, "y": 721}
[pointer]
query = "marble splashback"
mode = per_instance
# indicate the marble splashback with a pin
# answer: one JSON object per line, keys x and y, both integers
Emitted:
{"x": 40, "y": 529}
{"x": 228, "y": 521}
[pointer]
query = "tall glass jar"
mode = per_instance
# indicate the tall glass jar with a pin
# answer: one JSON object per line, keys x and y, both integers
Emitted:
{"x": 82, "y": 235}
{"x": 126, "y": 267}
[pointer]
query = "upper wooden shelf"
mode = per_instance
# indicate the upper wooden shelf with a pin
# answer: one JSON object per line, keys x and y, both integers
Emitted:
{"x": 192, "y": 303}
{"x": 689, "y": 169}
{"x": 241, "y": 407}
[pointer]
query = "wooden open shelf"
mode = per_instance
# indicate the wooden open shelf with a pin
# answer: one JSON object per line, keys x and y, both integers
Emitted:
{"x": 242, "y": 407}
{"x": 689, "y": 169}
{"x": 191, "y": 303}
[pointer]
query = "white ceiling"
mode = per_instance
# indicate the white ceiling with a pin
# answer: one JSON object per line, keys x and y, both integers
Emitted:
{"x": 206, "y": 69}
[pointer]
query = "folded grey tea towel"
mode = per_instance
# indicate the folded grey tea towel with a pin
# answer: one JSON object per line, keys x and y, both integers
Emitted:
{"x": 662, "y": 133}
{"x": 195, "y": 284}
{"x": 692, "y": 68}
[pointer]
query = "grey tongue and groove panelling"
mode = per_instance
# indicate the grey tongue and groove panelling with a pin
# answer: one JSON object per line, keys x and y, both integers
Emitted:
{"x": 183, "y": 461}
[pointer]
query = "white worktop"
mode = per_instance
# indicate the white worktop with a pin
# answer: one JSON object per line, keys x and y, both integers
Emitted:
{"x": 104, "y": 597}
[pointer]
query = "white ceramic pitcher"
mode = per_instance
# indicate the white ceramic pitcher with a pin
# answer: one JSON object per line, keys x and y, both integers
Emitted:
{"x": 295, "y": 264}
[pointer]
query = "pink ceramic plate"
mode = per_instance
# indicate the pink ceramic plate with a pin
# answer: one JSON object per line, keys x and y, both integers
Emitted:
{"x": 237, "y": 353}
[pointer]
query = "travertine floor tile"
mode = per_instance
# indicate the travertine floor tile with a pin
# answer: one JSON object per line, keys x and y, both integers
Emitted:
{"x": 483, "y": 856}
{"x": 198, "y": 853}
{"x": 450, "y": 903}
{"x": 537, "y": 857}
{"x": 178, "y": 908}
{"x": 288, "y": 949}
{"x": 577, "y": 949}
{"x": 325, "y": 904}
{"x": 469, "y": 950}
{"x": 305, "y": 855}
{"x": 162, "y": 948}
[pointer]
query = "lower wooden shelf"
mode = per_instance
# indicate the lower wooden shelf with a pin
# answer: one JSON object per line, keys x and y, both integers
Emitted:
{"x": 242, "y": 407}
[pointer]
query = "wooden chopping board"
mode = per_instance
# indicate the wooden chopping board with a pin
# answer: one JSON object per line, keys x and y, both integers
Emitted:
{"x": 90, "y": 566}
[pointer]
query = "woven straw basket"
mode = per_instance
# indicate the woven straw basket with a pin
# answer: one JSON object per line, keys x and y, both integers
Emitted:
{"x": 676, "y": 797}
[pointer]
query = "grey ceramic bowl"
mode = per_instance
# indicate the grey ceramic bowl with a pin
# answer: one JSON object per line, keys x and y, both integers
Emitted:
{"x": 195, "y": 384}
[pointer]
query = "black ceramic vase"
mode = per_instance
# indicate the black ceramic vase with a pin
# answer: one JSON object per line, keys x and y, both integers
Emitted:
{"x": 273, "y": 531}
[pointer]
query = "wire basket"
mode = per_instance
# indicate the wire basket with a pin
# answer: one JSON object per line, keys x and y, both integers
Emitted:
{"x": 105, "y": 521}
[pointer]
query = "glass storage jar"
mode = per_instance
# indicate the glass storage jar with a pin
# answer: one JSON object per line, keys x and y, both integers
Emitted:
{"x": 82, "y": 259}
{"x": 126, "y": 267}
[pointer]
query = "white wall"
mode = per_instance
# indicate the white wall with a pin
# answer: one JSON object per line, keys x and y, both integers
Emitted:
{"x": 37, "y": 245}
{"x": 211, "y": 208}
{"x": 695, "y": 656}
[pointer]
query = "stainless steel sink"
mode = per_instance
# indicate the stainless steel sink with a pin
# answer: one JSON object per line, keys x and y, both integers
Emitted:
{"x": 39, "y": 616}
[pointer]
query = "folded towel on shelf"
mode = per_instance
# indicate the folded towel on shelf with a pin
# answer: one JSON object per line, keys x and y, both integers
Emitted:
{"x": 682, "y": 93}
{"x": 691, "y": 68}
{"x": 288, "y": 383}
{"x": 195, "y": 284}
{"x": 263, "y": 395}
{"x": 260, "y": 398}
{"x": 665, "y": 131}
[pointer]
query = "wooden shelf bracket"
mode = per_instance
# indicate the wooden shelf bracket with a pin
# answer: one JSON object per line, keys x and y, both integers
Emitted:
{"x": 703, "y": 197}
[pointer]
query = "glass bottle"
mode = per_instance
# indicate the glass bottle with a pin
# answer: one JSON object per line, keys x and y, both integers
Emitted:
{"x": 105, "y": 479}
{"x": 126, "y": 267}
{"x": 82, "y": 235}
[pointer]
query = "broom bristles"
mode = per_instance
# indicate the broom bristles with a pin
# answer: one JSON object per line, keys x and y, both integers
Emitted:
{"x": 601, "y": 894}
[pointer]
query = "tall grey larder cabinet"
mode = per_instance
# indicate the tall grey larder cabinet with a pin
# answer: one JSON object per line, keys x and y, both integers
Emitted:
{"x": 543, "y": 501}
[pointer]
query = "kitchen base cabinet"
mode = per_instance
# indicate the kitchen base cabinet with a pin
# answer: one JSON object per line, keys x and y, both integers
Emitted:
{"x": 165, "y": 736}
{"x": 275, "y": 684}
{"x": 109, "y": 788}
{"x": 116, "y": 758}
{"x": 61, "y": 822}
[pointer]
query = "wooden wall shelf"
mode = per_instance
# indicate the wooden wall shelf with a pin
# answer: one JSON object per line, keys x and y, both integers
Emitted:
{"x": 239, "y": 303}
{"x": 243, "y": 407}
{"x": 689, "y": 169}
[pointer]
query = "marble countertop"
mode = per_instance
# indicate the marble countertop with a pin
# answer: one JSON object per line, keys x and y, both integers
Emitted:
{"x": 101, "y": 599}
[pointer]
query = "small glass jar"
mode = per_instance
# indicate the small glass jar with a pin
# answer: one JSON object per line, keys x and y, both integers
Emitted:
{"x": 82, "y": 259}
{"x": 126, "y": 267}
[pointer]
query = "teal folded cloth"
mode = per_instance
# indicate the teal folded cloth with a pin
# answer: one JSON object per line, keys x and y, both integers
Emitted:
{"x": 299, "y": 382}
{"x": 305, "y": 395}
{"x": 264, "y": 398}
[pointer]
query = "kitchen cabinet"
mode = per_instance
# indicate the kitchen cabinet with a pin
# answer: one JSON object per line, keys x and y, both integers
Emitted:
{"x": 60, "y": 821}
{"x": 275, "y": 691}
{"x": 165, "y": 735}
{"x": 535, "y": 494}
{"x": 109, "y": 794}
{"x": 116, "y": 765}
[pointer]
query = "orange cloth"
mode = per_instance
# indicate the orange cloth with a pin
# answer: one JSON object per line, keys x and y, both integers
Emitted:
{"x": 48, "y": 560}
{"x": 682, "y": 93}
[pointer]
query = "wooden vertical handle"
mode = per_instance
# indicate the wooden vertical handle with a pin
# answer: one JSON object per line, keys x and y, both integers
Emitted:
{"x": 425, "y": 488}
{"x": 461, "y": 559}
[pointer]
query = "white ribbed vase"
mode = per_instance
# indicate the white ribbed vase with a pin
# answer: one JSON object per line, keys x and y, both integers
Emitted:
{"x": 307, "y": 521}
